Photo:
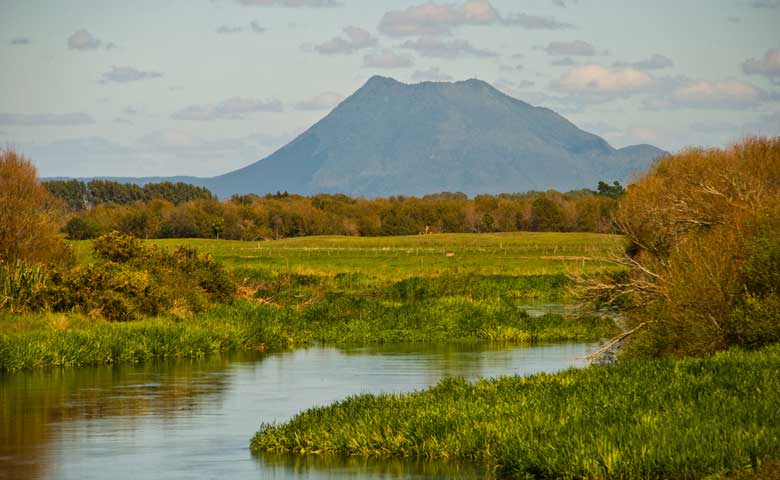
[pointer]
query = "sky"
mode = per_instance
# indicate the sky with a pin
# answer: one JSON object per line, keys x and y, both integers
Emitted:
{"x": 202, "y": 87}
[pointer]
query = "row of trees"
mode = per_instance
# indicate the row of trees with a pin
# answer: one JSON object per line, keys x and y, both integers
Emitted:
{"x": 79, "y": 195}
{"x": 252, "y": 217}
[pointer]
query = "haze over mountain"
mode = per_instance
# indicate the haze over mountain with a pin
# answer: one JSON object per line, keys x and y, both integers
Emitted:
{"x": 391, "y": 138}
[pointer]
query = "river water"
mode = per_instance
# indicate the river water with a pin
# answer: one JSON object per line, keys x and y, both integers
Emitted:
{"x": 195, "y": 418}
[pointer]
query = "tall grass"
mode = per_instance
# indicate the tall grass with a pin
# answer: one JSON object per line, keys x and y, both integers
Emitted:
{"x": 643, "y": 419}
{"x": 21, "y": 286}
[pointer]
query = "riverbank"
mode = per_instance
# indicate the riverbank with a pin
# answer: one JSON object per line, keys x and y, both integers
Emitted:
{"x": 636, "y": 419}
{"x": 338, "y": 291}
{"x": 69, "y": 340}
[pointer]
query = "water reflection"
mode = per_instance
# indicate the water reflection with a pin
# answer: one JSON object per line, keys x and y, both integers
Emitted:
{"x": 194, "y": 419}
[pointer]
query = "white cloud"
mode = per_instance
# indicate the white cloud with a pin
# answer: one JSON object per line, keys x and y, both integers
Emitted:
{"x": 290, "y": 3}
{"x": 438, "y": 19}
{"x": 354, "y": 39}
{"x": 127, "y": 74}
{"x": 323, "y": 101}
{"x": 596, "y": 79}
{"x": 84, "y": 40}
{"x": 726, "y": 94}
{"x": 433, "y": 47}
{"x": 768, "y": 66}
{"x": 227, "y": 29}
{"x": 41, "y": 119}
{"x": 387, "y": 59}
{"x": 232, "y": 108}
{"x": 574, "y": 48}
{"x": 655, "y": 62}
{"x": 433, "y": 74}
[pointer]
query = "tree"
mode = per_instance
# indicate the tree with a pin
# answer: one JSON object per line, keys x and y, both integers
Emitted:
{"x": 613, "y": 191}
{"x": 546, "y": 216}
{"x": 29, "y": 215}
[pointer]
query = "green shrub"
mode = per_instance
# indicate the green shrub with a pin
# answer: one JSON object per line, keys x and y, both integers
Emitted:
{"x": 22, "y": 287}
{"x": 82, "y": 228}
{"x": 116, "y": 247}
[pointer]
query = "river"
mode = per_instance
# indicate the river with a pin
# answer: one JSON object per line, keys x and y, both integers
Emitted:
{"x": 194, "y": 418}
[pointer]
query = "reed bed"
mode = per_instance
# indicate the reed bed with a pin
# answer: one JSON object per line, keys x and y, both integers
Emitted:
{"x": 656, "y": 419}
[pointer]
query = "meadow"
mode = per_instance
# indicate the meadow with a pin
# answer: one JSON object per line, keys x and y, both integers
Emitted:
{"x": 344, "y": 291}
{"x": 648, "y": 419}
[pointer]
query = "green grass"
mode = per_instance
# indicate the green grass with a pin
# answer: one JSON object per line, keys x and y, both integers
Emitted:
{"x": 341, "y": 290}
{"x": 644, "y": 420}
{"x": 419, "y": 255}
{"x": 51, "y": 340}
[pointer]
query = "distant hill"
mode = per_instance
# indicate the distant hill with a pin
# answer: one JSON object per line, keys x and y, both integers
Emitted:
{"x": 391, "y": 138}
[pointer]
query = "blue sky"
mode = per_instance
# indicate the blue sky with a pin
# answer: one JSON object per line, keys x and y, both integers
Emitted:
{"x": 202, "y": 87}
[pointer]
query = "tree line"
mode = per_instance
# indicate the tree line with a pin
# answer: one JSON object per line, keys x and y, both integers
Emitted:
{"x": 79, "y": 195}
{"x": 144, "y": 213}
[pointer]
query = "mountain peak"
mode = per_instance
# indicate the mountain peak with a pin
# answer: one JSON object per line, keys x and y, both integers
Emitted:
{"x": 393, "y": 138}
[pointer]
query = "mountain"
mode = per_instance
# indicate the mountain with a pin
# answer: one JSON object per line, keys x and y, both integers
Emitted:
{"x": 391, "y": 138}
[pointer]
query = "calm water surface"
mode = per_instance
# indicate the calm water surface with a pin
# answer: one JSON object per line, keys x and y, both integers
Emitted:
{"x": 194, "y": 419}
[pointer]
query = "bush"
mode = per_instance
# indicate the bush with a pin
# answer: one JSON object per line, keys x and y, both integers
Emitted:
{"x": 29, "y": 215}
{"x": 79, "y": 228}
{"x": 704, "y": 260}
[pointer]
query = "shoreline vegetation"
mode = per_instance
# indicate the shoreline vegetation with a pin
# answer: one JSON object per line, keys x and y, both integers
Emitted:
{"x": 291, "y": 293}
{"x": 642, "y": 419}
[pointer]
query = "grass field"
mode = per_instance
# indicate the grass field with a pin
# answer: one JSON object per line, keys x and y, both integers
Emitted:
{"x": 342, "y": 290}
{"x": 685, "y": 419}
{"x": 419, "y": 255}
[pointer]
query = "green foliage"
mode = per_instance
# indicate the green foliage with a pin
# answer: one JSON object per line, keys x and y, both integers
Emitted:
{"x": 79, "y": 196}
{"x": 250, "y": 217}
{"x": 22, "y": 287}
{"x": 546, "y": 216}
{"x": 633, "y": 420}
{"x": 116, "y": 247}
{"x": 82, "y": 228}
{"x": 129, "y": 281}
{"x": 613, "y": 191}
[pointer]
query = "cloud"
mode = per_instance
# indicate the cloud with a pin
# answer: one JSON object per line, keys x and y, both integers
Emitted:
{"x": 433, "y": 74}
{"x": 20, "y": 41}
{"x": 765, "y": 3}
{"x": 433, "y": 47}
{"x": 726, "y": 94}
{"x": 563, "y": 3}
{"x": 45, "y": 119}
{"x": 227, "y": 29}
{"x": 323, "y": 101}
{"x": 532, "y": 22}
{"x": 290, "y": 3}
{"x": 769, "y": 66}
{"x": 253, "y": 27}
{"x": 563, "y": 62}
{"x": 232, "y": 108}
{"x": 574, "y": 48}
{"x": 130, "y": 110}
{"x": 596, "y": 79}
{"x": 354, "y": 39}
{"x": 127, "y": 74}
{"x": 439, "y": 19}
{"x": 387, "y": 59}
{"x": 84, "y": 40}
{"x": 655, "y": 62}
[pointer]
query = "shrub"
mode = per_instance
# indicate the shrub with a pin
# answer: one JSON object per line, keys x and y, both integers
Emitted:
{"x": 29, "y": 215}
{"x": 704, "y": 260}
